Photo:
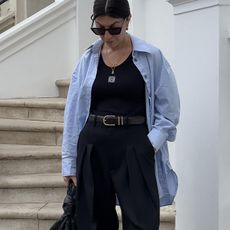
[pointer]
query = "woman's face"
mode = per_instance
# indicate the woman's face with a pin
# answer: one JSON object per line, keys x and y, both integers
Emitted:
{"x": 106, "y": 22}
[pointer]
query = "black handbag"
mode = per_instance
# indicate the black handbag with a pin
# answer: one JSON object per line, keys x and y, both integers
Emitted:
{"x": 68, "y": 219}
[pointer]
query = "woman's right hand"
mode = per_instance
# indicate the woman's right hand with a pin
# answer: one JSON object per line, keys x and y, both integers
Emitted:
{"x": 73, "y": 178}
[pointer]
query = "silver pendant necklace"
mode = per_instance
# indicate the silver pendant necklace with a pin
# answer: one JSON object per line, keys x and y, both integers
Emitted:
{"x": 112, "y": 77}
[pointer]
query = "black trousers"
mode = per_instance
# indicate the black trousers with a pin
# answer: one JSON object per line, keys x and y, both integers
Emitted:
{"x": 116, "y": 163}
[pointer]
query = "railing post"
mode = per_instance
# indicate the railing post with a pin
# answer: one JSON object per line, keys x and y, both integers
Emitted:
{"x": 20, "y": 13}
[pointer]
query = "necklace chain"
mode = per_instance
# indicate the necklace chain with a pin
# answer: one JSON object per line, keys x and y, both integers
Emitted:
{"x": 113, "y": 69}
{"x": 112, "y": 77}
{"x": 113, "y": 65}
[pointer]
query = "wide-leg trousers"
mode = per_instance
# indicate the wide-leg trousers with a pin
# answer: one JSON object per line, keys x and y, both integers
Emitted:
{"x": 116, "y": 164}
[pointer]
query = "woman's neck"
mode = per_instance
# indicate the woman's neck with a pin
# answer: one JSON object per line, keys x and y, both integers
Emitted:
{"x": 116, "y": 56}
{"x": 126, "y": 44}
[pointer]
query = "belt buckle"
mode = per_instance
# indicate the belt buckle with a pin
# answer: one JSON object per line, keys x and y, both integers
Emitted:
{"x": 108, "y": 124}
{"x": 120, "y": 120}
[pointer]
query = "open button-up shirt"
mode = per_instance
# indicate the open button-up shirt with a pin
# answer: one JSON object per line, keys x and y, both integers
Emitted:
{"x": 162, "y": 109}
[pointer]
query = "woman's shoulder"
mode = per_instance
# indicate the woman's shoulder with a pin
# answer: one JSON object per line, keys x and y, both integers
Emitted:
{"x": 140, "y": 45}
{"x": 94, "y": 48}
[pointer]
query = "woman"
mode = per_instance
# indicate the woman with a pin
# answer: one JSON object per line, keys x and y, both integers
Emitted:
{"x": 122, "y": 108}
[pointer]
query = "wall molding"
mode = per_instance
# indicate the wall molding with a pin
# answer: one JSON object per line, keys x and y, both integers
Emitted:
{"x": 179, "y": 2}
{"x": 35, "y": 27}
{"x": 186, "y": 6}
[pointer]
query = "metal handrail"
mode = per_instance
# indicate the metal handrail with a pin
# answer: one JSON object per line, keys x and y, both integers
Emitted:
{"x": 3, "y": 1}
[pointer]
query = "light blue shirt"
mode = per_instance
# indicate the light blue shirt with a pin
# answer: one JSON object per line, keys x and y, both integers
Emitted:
{"x": 162, "y": 109}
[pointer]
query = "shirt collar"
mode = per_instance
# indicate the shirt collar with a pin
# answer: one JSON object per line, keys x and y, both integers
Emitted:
{"x": 138, "y": 45}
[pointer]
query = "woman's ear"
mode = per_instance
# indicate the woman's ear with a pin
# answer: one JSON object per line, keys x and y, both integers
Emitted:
{"x": 129, "y": 18}
{"x": 128, "y": 21}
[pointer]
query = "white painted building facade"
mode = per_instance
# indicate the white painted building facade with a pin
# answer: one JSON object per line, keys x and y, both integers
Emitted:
{"x": 194, "y": 35}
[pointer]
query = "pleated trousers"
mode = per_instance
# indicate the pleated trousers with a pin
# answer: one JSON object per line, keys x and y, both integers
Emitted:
{"x": 116, "y": 164}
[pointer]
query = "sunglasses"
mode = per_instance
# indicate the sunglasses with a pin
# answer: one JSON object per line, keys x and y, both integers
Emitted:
{"x": 101, "y": 31}
{"x": 111, "y": 30}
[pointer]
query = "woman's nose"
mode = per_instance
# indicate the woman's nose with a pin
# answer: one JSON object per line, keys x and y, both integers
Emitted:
{"x": 107, "y": 35}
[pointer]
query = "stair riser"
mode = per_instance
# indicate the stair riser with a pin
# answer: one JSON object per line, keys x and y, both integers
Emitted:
{"x": 33, "y": 166}
{"x": 30, "y": 138}
{"x": 30, "y": 195}
{"x": 25, "y": 224}
{"x": 167, "y": 226}
{"x": 45, "y": 224}
{"x": 19, "y": 224}
{"x": 163, "y": 226}
{"x": 38, "y": 114}
{"x": 16, "y": 224}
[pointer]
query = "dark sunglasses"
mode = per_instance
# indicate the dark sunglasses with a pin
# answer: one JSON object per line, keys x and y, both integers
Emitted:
{"x": 111, "y": 30}
{"x": 101, "y": 31}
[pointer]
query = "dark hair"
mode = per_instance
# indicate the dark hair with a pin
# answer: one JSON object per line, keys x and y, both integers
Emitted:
{"x": 113, "y": 8}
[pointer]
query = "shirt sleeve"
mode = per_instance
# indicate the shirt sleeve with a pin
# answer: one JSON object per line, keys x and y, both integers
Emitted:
{"x": 71, "y": 126}
{"x": 166, "y": 106}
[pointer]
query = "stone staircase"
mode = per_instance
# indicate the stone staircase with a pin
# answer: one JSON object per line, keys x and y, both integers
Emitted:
{"x": 31, "y": 185}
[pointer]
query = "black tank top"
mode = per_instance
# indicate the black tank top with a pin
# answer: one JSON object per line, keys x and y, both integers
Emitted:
{"x": 121, "y": 93}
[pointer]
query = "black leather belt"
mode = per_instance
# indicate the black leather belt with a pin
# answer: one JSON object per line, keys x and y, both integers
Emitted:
{"x": 114, "y": 120}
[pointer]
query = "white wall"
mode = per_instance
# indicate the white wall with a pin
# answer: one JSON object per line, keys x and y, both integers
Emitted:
{"x": 38, "y": 51}
{"x": 32, "y": 72}
{"x": 153, "y": 21}
{"x": 197, "y": 69}
{"x": 138, "y": 19}
{"x": 84, "y": 34}
{"x": 224, "y": 100}
{"x": 33, "y": 6}
{"x": 160, "y": 27}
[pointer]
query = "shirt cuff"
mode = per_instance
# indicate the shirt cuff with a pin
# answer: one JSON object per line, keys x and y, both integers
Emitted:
{"x": 68, "y": 167}
{"x": 157, "y": 138}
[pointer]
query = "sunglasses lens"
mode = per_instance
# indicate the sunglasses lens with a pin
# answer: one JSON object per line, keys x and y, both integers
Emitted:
{"x": 98, "y": 31}
{"x": 115, "y": 31}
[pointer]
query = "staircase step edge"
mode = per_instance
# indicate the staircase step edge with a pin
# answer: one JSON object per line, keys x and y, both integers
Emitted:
{"x": 14, "y": 152}
{"x": 29, "y": 181}
{"x": 62, "y": 82}
{"x": 46, "y": 103}
{"x": 52, "y": 211}
{"x": 28, "y": 125}
{"x": 42, "y": 211}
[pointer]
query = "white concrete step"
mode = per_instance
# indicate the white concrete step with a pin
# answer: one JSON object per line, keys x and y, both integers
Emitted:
{"x": 29, "y": 159}
{"x": 40, "y": 109}
{"x": 32, "y": 188}
{"x": 63, "y": 86}
{"x": 29, "y": 216}
{"x": 41, "y": 216}
{"x": 30, "y": 132}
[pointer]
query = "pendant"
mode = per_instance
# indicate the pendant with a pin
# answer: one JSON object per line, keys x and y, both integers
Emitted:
{"x": 111, "y": 79}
